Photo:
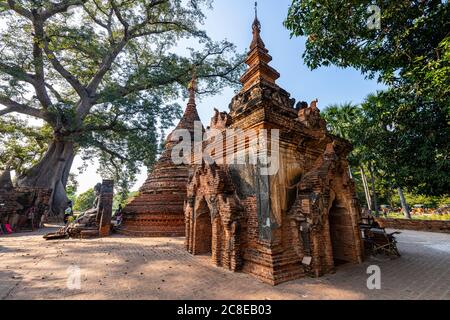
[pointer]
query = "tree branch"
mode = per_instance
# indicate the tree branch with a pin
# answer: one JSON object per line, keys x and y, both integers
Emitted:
{"x": 55, "y": 93}
{"x": 76, "y": 85}
{"x": 60, "y": 7}
{"x": 97, "y": 20}
{"x": 106, "y": 65}
{"x": 17, "y": 72}
{"x": 122, "y": 91}
{"x": 119, "y": 16}
{"x": 84, "y": 108}
{"x": 102, "y": 147}
{"x": 19, "y": 9}
{"x": 38, "y": 62}
{"x": 13, "y": 106}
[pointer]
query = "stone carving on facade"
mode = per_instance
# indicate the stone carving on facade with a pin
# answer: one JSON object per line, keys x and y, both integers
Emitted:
{"x": 220, "y": 120}
{"x": 253, "y": 223}
{"x": 248, "y": 221}
{"x": 212, "y": 224}
{"x": 310, "y": 116}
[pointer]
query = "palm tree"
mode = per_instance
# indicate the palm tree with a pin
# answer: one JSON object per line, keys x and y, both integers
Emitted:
{"x": 342, "y": 120}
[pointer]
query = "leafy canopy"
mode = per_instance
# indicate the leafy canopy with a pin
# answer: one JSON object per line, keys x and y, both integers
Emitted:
{"x": 22, "y": 145}
{"x": 405, "y": 128}
{"x": 84, "y": 201}
{"x": 105, "y": 74}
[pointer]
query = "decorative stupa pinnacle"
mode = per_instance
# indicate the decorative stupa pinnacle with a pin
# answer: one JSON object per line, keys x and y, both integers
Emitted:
{"x": 256, "y": 24}
{"x": 258, "y": 60}
{"x": 190, "y": 115}
{"x": 256, "y": 27}
{"x": 192, "y": 87}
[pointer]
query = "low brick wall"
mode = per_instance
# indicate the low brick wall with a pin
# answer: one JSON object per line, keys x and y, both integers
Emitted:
{"x": 419, "y": 225}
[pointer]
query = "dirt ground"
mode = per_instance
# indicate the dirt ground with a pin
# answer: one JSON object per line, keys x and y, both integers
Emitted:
{"x": 159, "y": 268}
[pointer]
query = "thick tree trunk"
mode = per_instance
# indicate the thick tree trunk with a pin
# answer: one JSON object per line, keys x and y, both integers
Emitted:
{"x": 404, "y": 204}
{"x": 52, "y": 172}
{"x": 391, "y": 195}
{"x": 366, "y": 188}
{"x": 374, "y": 194}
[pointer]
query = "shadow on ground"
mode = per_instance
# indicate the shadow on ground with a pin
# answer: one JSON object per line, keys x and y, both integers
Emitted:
{"x": 159, "y": 268}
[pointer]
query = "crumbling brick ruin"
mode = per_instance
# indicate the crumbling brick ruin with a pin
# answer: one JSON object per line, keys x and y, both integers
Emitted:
{"x": 158, "y": 209}
{"x": 301, "y": 220}
{"x": 93, "y": 222}
{"x": 16, "y": 201}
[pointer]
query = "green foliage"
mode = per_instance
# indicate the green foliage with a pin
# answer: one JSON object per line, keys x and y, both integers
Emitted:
{"x": 22, "y": 145}
{"x": 344, "y": 121}
{"x": 71, "y": 188}
{"x": 84, "y": 201}
{"x": 408, "y": 139}
{"x": 338, "y": 33}
{"x": 375, "y": 139}
{"x": 403, "y": 131}
{"x": 427, "y": 201}
{"x": 123, "y": 199}
{"x": 106, "y": 75}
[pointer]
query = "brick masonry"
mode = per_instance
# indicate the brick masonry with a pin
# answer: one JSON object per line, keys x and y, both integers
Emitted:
{"x": 16, "y": 201}
{"x": 301, "y": 220}
{"x": 158, "y": 209}
{"x": 418, "y": 225}
{"x": 105, "y": 207}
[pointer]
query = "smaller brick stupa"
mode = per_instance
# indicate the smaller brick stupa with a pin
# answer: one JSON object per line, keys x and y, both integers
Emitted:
{"x": 158, "y": 209}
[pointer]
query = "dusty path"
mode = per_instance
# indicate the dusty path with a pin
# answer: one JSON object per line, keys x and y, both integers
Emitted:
{"x": 160, "y": 268}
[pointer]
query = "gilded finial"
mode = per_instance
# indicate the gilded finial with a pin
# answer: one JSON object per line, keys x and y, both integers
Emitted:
{"x": 193, "y": 86}
{"x": 256, "y": 24}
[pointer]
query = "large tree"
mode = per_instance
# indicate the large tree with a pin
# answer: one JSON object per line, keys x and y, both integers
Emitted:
{"x": 103, "y": 75}
{"x": 409, "y": 51}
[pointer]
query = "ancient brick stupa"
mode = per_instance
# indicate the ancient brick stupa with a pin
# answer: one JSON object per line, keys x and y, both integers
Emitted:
{"x": 158, "y": 209}
{"x": 301, "y": 219}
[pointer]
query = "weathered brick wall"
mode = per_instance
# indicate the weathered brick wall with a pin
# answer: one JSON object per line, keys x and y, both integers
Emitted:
{"x": 158, "y": 210}
{"x": 8, "y": 205}
{"x": 418, "y": 225}
{"x": 271, "y": 247}
{"x": 250, "y": 214}
{"x": 14, "y": 204}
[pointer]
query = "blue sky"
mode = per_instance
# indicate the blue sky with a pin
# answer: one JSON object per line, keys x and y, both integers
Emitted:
{"x": 231, "y": 20}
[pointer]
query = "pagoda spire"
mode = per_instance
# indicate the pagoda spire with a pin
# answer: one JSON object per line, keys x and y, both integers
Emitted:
{"x": 190, "y": 115}
{"x": 258, "y": 60}
{"x": 192, "y": 87}
{"x": 256, "y": 27}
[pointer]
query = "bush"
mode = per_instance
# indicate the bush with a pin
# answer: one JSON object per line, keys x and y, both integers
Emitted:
{"x": 84, "y": 201}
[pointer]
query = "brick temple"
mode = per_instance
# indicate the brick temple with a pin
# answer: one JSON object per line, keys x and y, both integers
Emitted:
{"x": 158, "y": 209}
{"x": 301, "y": 220}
